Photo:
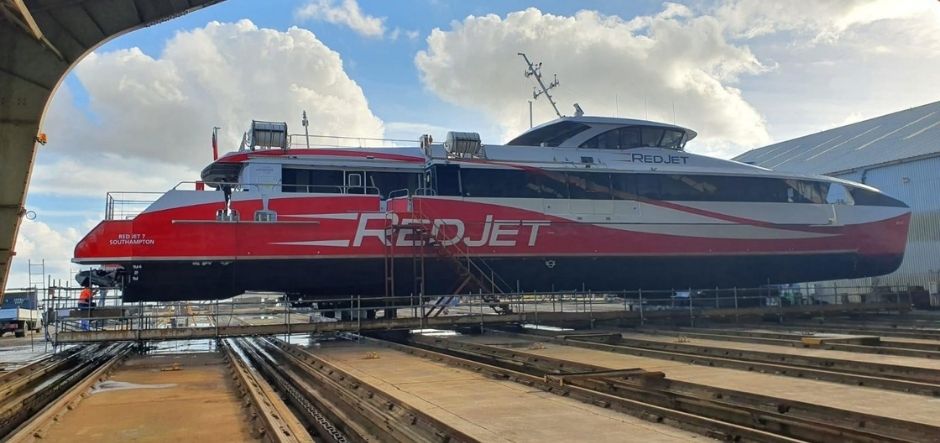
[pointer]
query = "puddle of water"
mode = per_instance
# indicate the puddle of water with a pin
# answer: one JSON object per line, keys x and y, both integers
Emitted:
{"x": 114, "y": 385}
{"x": 545, "y": 327}
{"x": 183, "y": 346}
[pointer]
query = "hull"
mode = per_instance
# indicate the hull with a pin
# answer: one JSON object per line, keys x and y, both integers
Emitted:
{"x": 328, "y": 246}
{"x": 341, "y": 278}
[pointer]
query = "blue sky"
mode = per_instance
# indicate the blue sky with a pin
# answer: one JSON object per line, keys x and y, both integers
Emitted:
{"x": 743, "y": 73}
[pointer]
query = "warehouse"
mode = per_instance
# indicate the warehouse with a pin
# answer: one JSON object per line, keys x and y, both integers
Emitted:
{"x": 898, "y": 153}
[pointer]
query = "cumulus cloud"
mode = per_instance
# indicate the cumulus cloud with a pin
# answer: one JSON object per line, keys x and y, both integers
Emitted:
{"x": 38, "y": 241}
{"x": 148, "y": 121}
{"x": 826, "y": 20}
{"x": 644, "y": 67}
{"x": 346, "y": 13}
{"x": 224, "y": 74}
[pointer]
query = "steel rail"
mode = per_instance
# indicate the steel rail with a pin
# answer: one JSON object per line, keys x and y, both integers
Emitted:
{"x": 783, "y": 369}
{"x": 313, "y": 406}
{"x": 784, "y": 416}
{"x": 390, "y": 418}
{"x": 15, "y": 381}
{"x": 276, "y": 423}
{"x": 65, "y": 392}
{"x": 865, "y": 329}
{"x": 898, "y": 372}
{"x": 795, "y": 341}
{"x": 717, "y": 429}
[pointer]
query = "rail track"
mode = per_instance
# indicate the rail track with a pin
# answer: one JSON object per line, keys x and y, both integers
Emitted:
{"x": 33, "y": 396}
{"x": 715, "y": 412}
{"x": 793, "y": 339}
{"x": 332, "y": 404}
{"x": 852, "y": 373}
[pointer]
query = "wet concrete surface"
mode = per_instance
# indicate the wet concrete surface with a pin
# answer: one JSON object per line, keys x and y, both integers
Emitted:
{"x": 488, "y": 409}
{"x": 159, "y": 398}
{"x": 855, "y": 398}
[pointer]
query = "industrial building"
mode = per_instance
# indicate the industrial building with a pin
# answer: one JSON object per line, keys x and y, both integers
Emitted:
{"x": 898, "y": 153}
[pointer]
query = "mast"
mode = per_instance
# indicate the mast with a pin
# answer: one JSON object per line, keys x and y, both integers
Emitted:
{"x": 536, "y": 71}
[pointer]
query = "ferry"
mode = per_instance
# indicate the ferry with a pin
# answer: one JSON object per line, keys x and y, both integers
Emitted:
{"x": 577, "y": 203}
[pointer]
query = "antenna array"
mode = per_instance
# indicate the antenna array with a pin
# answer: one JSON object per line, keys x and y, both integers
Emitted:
{"x": 536, "y": 71}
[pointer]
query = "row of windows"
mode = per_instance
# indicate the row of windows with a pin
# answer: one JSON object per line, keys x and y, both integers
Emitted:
{"x": 620, "y": 138}
{"x": 504, "y": 183}
{"x": 637, "y": 137}
{"x": 603, "y": 186}
{"x": 327, "y": 181}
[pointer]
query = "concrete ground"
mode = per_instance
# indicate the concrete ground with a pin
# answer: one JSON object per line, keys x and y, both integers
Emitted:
{"x": 824, "y": 353}
{"x": 160, "y": 398}
{"x": 861, "y": 399}
{"x": 487, "y": 409}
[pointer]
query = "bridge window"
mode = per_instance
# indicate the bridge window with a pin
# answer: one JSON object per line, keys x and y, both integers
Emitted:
{"x": 839, "y": 195}
{"x": 865, "y": 197}
{"x": 552, "y": 135}
{"x": 636, "y": 137}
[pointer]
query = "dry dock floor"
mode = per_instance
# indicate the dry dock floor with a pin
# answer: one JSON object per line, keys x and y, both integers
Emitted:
{"x": 861, "y": 399}
{"x": 823, "y": 353}
{"x": 487, "y": 409}
{"x": 159, "y": 398}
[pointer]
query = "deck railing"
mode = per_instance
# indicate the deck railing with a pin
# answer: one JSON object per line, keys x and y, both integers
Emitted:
{"x": 639, "y": 307}
{"x": 127, "y": 205}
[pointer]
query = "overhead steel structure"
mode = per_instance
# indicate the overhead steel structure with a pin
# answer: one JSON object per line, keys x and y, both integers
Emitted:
{"x": 40, "y": 41}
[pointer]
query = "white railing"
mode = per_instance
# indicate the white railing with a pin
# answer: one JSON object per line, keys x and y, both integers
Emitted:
{"x": 301, "y": 141}
{"x": 127, "y": 205}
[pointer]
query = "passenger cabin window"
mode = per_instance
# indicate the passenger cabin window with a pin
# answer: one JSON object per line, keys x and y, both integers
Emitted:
{"x": 323, "y": 181}
{"x": 839, "y": 195}
{"x": 637, "y": 137}
{"x": 580, "y": 185}
{"x": 552, "y": 135}
{"x": 312, "y": 180}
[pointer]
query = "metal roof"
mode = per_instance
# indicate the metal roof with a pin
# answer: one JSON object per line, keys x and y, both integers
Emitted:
{"x": 893, "y": 137}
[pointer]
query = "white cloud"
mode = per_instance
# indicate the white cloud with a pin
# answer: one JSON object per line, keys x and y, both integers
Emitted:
{"x": 641, "y": 67}
{"x": 149, "y": 119}
{"x": 345, "y": 13}
{"x": 224, "y": 74}
{"x": 825, "y": 20}
{"x": 38, "y": 241}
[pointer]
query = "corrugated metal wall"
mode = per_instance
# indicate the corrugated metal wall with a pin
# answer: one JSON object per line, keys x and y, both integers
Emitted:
{"x": 916, "y": 183}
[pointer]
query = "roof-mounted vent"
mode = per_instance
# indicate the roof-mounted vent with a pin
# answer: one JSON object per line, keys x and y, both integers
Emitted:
{"x": 463, "y": 144}
{"x": 267, "y": 135}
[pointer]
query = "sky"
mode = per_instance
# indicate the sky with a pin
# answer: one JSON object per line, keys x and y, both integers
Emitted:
{"x": 137, "y": 113}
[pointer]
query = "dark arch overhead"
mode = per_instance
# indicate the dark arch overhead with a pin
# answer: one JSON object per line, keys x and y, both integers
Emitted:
{"x": 40, "y": 40}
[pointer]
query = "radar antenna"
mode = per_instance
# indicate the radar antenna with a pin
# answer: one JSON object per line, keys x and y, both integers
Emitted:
{"x": 536, "y": 71}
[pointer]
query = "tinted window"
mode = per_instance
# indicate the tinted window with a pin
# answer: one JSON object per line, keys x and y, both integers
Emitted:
{"x": 634, "y": 137}
{"x": 623, "y": 186}
{"x": 651, "y": 136}
{"x": 550, "y": 184}
{"x": 497, "y": 183}
{"x": 839, "y": 195}
{"x": 446, "y": 179}
{"x": 621, "y": 138}
{"x": 705, "y": 188}
{"x": 589, "y": 185}
{"x": 671, "y": 139}
{"x": 551, "y": 135}
{"x": 311, "y": 180}
{"x": 388, "y": 182}
{"x": 864, "y": 197}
